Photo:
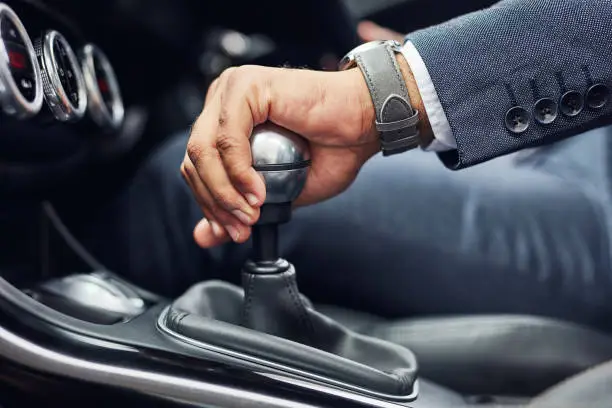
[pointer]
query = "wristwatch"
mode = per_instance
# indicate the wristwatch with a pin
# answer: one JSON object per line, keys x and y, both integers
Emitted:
{"x": 396, "y": 120}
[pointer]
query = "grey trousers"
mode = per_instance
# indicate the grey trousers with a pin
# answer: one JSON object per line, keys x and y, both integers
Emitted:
{"x": 525, "y": 233}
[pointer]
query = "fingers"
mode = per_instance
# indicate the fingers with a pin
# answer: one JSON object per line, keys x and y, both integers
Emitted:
{"x": 370, "y": 31}
{"x": 219, "y": 225}
{"x": 326, "y": 108}
{"x": 218, "y": 162}
{"x": 211, "y": 172}
{"x": 240, "y": 111}
{"x": 205, "y": 236}
{"x": 208, "y": 232}
{"x": 203, "y": 150}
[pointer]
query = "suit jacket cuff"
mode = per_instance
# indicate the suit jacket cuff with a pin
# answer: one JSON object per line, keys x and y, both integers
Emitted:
{"x": 493, "y": 68}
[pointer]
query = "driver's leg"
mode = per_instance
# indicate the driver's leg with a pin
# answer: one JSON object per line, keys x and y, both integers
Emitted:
{"x": 408, "y": 238}
{"x": 525, "y": 233}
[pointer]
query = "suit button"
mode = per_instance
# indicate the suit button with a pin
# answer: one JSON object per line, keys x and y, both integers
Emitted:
{"x": 546, "y": 111}
{"x": 572, "y": 103}
{"x": 598, "y": 96}
{"x": 517, "y": 119}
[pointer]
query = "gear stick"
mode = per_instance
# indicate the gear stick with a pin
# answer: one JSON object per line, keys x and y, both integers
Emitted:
{"x": 282, "y": 158}
{"x": 272, "y": 302}
{"x": 269, "y": 320}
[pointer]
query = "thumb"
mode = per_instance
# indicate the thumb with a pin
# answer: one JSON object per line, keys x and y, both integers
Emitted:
{"x": 370, "y": 31}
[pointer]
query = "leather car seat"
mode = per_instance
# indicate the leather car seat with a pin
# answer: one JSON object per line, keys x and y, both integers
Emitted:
{"x": 591, "y": 389}
{"x": 489, "y": 355}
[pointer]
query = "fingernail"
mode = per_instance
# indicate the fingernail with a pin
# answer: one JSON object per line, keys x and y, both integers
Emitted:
{"x": 202, "y": 224}
{"x": 244, "y": 218}
{"x": 252, "y": 199}
{"x": 234, "y": 232}
{"x": 216, "y": 228}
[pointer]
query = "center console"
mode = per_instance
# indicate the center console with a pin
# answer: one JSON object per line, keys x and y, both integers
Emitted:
{"x": 267, "y": 321}
{"x": 262, "y": 344}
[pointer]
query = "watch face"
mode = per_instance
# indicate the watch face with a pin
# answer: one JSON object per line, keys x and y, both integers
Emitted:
{"x": 349, "y": 59}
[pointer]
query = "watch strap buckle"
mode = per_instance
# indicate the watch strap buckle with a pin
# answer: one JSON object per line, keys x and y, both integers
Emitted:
{"x": 398, "y": 125}
{"x": 391, "y": 147}
{"x": 394, "y": 126}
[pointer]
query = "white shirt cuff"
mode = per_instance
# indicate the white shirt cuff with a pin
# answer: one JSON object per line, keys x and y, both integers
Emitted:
{"x": 443, "y": 135}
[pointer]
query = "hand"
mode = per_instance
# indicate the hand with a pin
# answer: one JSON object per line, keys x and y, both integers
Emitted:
{"x": 332, "y": 110}
{"x": 370, "y": 31}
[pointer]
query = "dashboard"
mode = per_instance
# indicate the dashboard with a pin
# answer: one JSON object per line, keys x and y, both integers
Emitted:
{"x": 89, "y": 88}
{"x": 47, "y": 75}
{"x": 58, "y": 94}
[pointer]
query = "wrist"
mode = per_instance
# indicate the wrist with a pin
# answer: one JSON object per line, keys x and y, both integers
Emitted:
{"x": 425, "y": 131}
{"x": 368, "y": 111}
{"x": 364, "y": 81}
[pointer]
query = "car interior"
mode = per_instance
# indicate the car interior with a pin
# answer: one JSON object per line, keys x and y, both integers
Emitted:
{"x": 88, "y": 90}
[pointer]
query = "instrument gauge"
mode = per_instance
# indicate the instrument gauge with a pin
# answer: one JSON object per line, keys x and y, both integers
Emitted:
{"x": 62, "y": 78}
{"x": 105, "y": 101}
{"x": 21, "y": 93}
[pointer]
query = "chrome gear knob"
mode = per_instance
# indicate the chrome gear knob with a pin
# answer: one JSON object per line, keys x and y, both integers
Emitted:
{"x": 282, "y": 157}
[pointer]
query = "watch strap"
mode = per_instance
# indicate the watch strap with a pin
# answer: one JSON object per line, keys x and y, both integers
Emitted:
{"x": 396, "y": 120}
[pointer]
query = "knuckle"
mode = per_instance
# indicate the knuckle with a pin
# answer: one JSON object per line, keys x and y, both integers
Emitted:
{"x": 248, "y": 76}
{"x": 226, "y": 143}
{"x": 194, "y": 152}
{"x": 228, "y": 73}
{"x": 242, "y": 76}
{"x": 198, "y": 153}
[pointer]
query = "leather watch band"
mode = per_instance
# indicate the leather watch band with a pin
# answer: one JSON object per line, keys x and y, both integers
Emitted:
{"x": 396, "y": 120}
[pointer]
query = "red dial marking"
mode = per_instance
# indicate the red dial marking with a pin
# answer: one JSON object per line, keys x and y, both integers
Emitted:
{"x": 17, "y": 59}
{"x": 103, "y": 85}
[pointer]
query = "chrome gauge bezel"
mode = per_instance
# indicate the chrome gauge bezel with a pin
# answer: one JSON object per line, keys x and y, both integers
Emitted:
{"x": 12, "y": 100}
{"x": 56, "y": 96}
{"x": 98, "y": 109}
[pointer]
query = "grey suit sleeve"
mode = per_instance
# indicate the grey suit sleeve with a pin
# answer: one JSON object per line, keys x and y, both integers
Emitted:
{"x": 502, "y": 74}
